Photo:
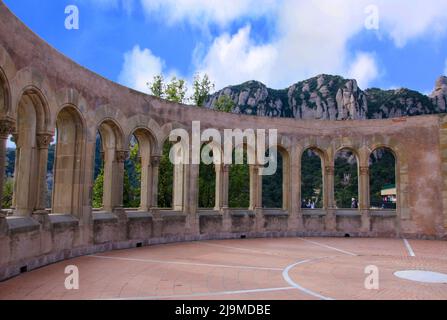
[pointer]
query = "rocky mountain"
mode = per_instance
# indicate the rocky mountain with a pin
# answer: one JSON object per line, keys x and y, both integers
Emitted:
{"x": 328, "y": 97}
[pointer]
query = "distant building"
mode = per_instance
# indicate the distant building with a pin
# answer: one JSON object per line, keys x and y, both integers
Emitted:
{"x": 389, "y": 194}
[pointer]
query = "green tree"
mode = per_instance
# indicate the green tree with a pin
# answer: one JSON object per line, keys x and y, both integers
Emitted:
{"x": 202, "y": 89}
{"x": 346, "y": 179}
{"x": 382, "y": 173}
{"x": 272, "y": 185}
{"x": 132, "y": 177}
{"x": 8, "y": 189}
{"x": 157, "y": 86}
{"x": 176, "y": 90}
{"x": 239, "y": 189}
{"x": 311, "y": 178}
{"x": 207, "y": 184}
{"x": 224, "y": 103}
{"x": 98, "y": 190}
{"x": 166, "y": 178}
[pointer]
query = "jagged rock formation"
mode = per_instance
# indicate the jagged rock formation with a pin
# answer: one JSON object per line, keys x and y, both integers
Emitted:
{"x": 329, "y": 97}
{"x": 439, "y": 95}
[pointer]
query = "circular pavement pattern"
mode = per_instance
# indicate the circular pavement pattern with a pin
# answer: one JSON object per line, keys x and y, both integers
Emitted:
{"x": 255, "y": 269}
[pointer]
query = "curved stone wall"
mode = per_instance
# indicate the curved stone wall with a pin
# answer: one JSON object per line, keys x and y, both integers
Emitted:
{"x": 42, "y": 90}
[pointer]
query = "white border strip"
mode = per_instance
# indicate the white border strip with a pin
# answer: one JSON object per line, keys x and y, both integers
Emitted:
{"x": 409, "y": 248}
{"x": 187, "y": 263}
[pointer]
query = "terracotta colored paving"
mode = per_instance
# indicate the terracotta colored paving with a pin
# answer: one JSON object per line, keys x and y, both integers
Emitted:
{"x": 255, "y": 269}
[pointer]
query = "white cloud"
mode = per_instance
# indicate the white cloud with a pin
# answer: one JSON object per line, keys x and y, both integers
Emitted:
{"x": 139, "y": 68}
{"x": 312, "y": 39}
{"x": 234, "y": 59}
{"x": 309, "y": 37}
{"x": 200, "y": 12}
{"x": 364, "y": 69}
{"x": 404, "y": 21}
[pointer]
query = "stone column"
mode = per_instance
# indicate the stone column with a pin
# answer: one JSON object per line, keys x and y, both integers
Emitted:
{"x": 6, "y": 128}
{"x": 364, "y": 198}
{"x": 225, "y": 186}
{"x": 118, "y": 178}
{"x": 146, "y": 184}
{"x": 295, "y": 213}
{"x": 256, "y": 196}
{"x": 329, "y": 199}
{"x": 218, "y": 196}
{"x": 43, "y": 143}
{"x": 222, "y": 175}
{"x": 328, "y": 184}
{"x": 155, "y": 169}
{"x": 225, "y": 206}
{"x": 192, "y": 198}
{"x": 255, "y": 187}
{"x": 178, "y": 188}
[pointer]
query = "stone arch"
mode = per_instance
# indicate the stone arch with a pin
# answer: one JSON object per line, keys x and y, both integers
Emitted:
{"x": 30, "y": 82}
{"x": 5, "y": 97}
{"x": 284, "y": 168}
{"x": 147, "y": 148}
{"x": 32, "y": 140}
{"x": 323, "y": 158}
{"x": 114, "y": 155}
{"x": 69, "y": 161}
{"x": 70, "y": 96}
{"x": 402, "y": 176}
{"x": 390, "y": 150}
{"x": 179, "y": 178}
{"x": 215, "y": 170}
{"x": 7, "y": 73}
{"x": 356, "y": 193}
{"x": 247, "y": 169}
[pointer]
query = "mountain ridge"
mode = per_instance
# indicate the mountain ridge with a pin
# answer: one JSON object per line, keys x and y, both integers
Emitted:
{"x": 331, "y": 97}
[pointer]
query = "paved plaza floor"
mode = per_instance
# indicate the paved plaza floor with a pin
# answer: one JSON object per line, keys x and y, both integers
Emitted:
{"x": 249, "y": 269}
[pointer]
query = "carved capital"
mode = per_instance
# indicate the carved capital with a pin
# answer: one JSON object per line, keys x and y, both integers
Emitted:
{"x": 329, "y": 170}
{"x": 121, "y": 155}
{"x": 364, "y": 171}
{"x": 44, "y": 140}
{"x": 7, "y": 127}
{"x": 155, "y": 161}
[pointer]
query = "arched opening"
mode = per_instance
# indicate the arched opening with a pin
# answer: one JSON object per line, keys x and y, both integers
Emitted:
{"x": 109, "y": 167}
{"x": 33, "y": 141}
{"x": 67, "y": 162}
{"x": 207, "y": 180}
{"x": 98, "y": 174}
{"x": 346, "y": 180}
{"x": 8, "y": 147}
{"x": 8, "y": 184}
{"x": 239, "y": 183}
{"x": 275, "y": 183}
{"x": 132, "y": 176}
{"x": 139, "y": 171}
{"x": 311, "y": 179}
{"x": 383, "y": 188}
{"x": 171, "y": 177}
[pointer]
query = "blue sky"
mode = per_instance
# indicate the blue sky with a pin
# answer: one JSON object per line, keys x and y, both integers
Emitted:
{"x": 277, "y": 42}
